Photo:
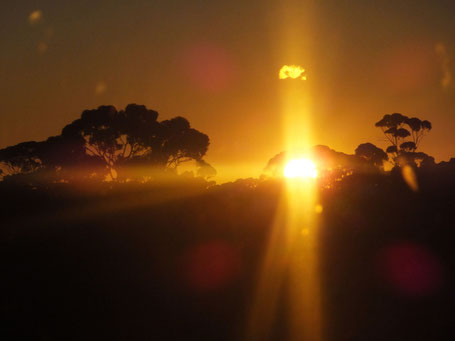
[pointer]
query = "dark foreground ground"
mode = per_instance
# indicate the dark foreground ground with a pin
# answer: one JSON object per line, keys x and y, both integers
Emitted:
{"x": 148, "y": 262}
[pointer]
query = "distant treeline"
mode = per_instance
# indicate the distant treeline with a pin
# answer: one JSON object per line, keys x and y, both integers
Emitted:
{"x": 105, "y": 144}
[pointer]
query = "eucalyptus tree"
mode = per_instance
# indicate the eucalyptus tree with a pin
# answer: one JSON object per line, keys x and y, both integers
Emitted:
{"x": 132, "y": 141}
{"x": 405, "y": 135}
{"x": 129, "y": 143}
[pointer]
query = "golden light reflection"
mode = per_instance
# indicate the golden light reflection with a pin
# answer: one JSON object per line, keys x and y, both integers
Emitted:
{"x": 42, "y": 47}
{"x": 35, "y": 17}
{"x": 410, "y": 177}
{"x": 100, "y": 88}
{"x": 300, "y": 168}
{"x": 446, "y": 62}
{"x": 289, "y": 273}
{"x": 304, "y": 288}
{"x": 292, "y": 71}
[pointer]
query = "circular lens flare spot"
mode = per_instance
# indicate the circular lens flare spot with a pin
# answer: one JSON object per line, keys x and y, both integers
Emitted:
{"x": 411, "y": 269}
{"x": 212, "y": 265}
{"x": 300, "y": 168}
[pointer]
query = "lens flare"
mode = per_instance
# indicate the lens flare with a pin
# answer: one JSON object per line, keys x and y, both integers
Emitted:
{"x": 35, "y": 17}
{"x": 300, "y": 168}
{"x": 410, "y": 178}
{"x": 292, "y": 71}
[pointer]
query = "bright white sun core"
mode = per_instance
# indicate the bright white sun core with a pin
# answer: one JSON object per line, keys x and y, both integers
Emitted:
{"x": 300, "y": 168}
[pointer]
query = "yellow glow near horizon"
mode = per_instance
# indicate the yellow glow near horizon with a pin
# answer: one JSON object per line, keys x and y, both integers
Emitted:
{"x": 292, "y": 71}
{"x": 300, "y": 168}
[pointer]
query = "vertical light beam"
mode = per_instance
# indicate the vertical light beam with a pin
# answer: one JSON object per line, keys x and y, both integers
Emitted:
{"x": 289, "y": 270}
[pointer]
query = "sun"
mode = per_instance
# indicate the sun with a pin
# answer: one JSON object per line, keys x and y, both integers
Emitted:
{"x": 300, "y": 168}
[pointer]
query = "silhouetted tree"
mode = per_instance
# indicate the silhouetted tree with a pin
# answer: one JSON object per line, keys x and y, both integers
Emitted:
{"x": 333, "y": 161}
{"x": 372, "y": 154}
{"x": 56, "y": 159}
{"x": 405, "y": 135}
{"x": 64, "y": 158}
{"x": 124, "y": 144}
{"x": 21, "y": 158}
{"x": 98, "y": 129}
{"x": 205, "y": 170}
{"x": 133, "y": 139}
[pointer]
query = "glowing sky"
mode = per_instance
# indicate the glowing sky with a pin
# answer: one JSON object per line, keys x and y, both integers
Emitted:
{"x": 216, "y": 63}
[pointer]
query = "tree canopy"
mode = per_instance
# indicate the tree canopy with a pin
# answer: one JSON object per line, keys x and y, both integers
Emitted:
{"x": 372, "y": 154}
{"x": 405, "y": 135}
{"x": 105, "y": 142}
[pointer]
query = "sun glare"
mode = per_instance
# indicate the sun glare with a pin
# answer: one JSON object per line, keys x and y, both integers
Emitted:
{"x": 300, "y": 168}
{"x": 292, "y": 71}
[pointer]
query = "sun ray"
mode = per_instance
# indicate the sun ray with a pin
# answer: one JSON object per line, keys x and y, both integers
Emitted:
{"x": 290, "y": 261}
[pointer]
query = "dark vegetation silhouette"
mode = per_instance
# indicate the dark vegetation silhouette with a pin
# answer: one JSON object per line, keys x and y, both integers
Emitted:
{"x": 405, "y": 135}
{"x": 130, "y": 144}
{"x": 102, "y": 239}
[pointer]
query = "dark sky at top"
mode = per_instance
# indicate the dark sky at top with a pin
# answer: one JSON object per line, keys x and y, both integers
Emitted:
{"x": 216, "y": 63}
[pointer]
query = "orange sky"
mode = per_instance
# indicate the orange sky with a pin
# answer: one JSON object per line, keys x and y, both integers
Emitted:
{"x": 217, "y": 64}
